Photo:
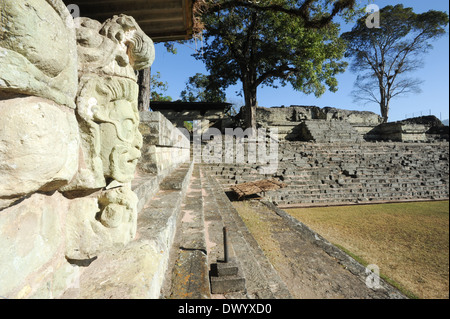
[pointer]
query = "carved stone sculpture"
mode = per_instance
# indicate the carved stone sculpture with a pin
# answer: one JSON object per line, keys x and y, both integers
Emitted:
{"x": 109, "y": 54}
{"x": 69, "y": 141}
{"x": 69, "y": 118}
{"x": 39, "y": 137}
{"x": 37, "y": 52}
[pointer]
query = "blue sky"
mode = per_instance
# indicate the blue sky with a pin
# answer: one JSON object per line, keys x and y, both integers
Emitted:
{"x": 176, "y": 70}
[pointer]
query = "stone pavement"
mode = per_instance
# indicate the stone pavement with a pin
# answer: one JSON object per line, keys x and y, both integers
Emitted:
{"x": 198, "y": 245}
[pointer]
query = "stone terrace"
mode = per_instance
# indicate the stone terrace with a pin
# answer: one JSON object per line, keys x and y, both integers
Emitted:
{"x": 324, "y": 173}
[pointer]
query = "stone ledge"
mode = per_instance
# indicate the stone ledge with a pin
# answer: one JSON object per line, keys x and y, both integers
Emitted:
{"x": 345, "y": 260}
{"x": 227, "y": 284}
{"x": 137, "y": 271}
{"x": 161, "y": 132}
{"x": 145, "y": 188}
{"x": 191, "y": 274}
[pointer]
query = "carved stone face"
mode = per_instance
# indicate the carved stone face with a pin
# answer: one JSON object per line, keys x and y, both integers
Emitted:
{"x": 108, "y": 56}
{"x": 108, "y": 118}
{"x": 121, "y": 141}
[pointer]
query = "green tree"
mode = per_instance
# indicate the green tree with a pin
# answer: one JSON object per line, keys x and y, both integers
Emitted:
{"x": 200, "y": 88}
{"x": 286, "y": 42}
{"x": 385, "y": 56}
{"x": 158, "y": 88}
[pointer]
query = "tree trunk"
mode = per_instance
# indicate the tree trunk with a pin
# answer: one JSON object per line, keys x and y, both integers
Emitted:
{"x": 384, "y": 103}
{"x": 144, "y": 89}
{"x": 250, "y": 107}
{"x": 384, "y": 107}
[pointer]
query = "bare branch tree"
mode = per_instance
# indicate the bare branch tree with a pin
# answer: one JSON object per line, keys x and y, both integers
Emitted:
{"x": 386, "y": 55}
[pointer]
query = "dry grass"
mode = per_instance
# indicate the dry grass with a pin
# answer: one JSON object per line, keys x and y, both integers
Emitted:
{"x": 408, "y": 241}
{"x": 260, "y": 230}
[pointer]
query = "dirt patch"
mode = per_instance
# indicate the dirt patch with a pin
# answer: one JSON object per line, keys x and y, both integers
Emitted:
{"x": 308, "y": 271}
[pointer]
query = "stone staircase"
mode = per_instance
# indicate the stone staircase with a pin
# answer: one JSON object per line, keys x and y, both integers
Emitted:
{"x": 324, "y": 131}
{"x": 179, "y": 239}
{"x": 349, "y": 172}
{"x": 182, "y": 216}
{"x": 187, "y": 275}
{"x": 287, "y": 130}
{"x": 321, "y": 131}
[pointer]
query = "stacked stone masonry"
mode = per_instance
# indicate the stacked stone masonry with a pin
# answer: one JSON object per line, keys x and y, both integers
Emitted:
{"x": 312, "y": 123}
{"x": 324, "y": 173}
{"x": 70, "y": 142}
{"x": 319, "y": 131}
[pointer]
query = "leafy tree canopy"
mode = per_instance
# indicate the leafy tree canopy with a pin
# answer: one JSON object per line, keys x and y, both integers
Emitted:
{"x": 268, "y": 46}
{"x": 200, "y": 88}
{"x": 158, "y": 88}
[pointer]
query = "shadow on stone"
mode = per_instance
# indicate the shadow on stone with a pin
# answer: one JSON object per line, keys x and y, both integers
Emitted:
{"x": 82, "y": 263}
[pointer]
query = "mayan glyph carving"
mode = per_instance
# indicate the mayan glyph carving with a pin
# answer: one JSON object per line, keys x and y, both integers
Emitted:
{"x": 39, "y": 137}
{"x": 109, "y": 55}
{"x": 100, "y": 222}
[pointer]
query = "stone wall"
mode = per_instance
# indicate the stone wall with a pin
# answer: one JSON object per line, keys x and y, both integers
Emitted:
{"x": 334, "y": 173}
{"x": 312, "y": 123}
{"x": 292, "y": 121}
{"x": 165, "y": 146}
{"x": 297, "y": 113}
{"x": 419, "y": 129}
{"x": 70, "y": 143}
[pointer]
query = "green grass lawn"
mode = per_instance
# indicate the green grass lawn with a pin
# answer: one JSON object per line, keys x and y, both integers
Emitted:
{"x": 408, "y": 241}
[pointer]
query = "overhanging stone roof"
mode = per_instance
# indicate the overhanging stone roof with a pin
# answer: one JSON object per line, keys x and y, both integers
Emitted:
{"x": 161, "y": 20}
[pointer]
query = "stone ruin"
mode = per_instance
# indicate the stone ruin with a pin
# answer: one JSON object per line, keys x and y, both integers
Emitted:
{"x": 69, "y": 140}
{"x": 91, "y": 190}
{"x": 311, "y": 123}
{"x": 329, "y": 156}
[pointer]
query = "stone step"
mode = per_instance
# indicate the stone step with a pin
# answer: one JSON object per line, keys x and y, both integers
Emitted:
{"x": 145, "y": 187}
{"x": 189, "y": 274}
{"x": 361, "y": 169}
{"x": 137, "y": 271}
{"x": 234, "y": 283}
{"x": 262, "y": 281}
{"x": 178, "y": 179}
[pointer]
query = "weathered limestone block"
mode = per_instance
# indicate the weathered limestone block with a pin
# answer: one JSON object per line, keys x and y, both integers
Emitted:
{"x": 401, "y": 132}
{"x": 38, "y": 146}
{"x": 38, "y": 53}
{"x": 162, "y": 132}
{"x": 38, "y": 85}
{"x": 100, "y": 222}
{"x": 166, "y": 146}
{"x": 32, "y": 242}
